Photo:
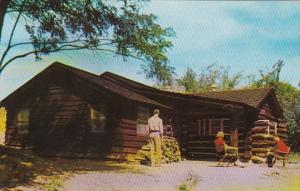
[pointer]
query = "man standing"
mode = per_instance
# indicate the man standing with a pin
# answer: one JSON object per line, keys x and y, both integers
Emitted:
{"x": 155, "y": 126}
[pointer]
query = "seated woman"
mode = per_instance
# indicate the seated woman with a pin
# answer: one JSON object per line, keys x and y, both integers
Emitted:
{"x": 281, "y": 152}
{"x": 281, "y": 146}
{"x": 220, "y": 144}
{"x": 223, "y": 150}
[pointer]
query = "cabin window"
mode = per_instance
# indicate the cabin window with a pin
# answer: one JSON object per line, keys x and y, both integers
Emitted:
{"x": 143, "y": 114}
{"x": 211, "y": 126}
{"x": 98, "y": 119}
{"x": 271, "y": 128}
{"x": 23, "y": 118}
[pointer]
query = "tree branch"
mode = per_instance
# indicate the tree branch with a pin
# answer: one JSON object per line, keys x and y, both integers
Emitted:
{"x": 3, "y": 11}
{"x": 10, "y": 39}
{"x": 67, "y": 47}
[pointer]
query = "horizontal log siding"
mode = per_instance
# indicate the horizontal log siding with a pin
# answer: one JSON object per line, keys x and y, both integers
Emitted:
{"x": 125, "y": 142}
{"x": 58, "y": 122}
{"x": 261, "y": 143}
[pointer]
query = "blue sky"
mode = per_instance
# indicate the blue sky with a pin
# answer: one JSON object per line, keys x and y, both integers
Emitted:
{"x": 245, "y": 36}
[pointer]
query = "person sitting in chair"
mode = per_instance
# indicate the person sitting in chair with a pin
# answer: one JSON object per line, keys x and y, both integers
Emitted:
{"x": 223, "y": 150}
{"x": 281, "y": 150}
{"x": 220, "y": 144}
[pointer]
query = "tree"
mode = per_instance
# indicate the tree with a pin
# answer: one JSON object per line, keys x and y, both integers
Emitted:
{"x": 189, "y": 81}
{"x": 121, "y": 28}
{"x": 270, "y": 78}
{"x": 213, "y": 77}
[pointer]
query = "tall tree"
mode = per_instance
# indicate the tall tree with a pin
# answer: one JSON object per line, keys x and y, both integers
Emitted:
{"x": 213, "y": 77}
{"x": 216, "y": 77}
{"x": 270, "y": 78}
{"x": 189, "y": 81}
{"x": 118, "y": 27}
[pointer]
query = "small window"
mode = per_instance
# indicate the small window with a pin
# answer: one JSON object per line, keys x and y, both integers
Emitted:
{"x": 211, "y": 126}
{"x": 143, "y": 115}
{"x": 98, "y": 119}
{"x": 23, "y": 118}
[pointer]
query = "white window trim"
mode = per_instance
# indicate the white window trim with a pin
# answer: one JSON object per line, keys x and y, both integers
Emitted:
{"x": 268, "y": 126}
{"x": 209, "y": 125}
{"x": 92, "y": 113}
{"x": 22, "y": 124}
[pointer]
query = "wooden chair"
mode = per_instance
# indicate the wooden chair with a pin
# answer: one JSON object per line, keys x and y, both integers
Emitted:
{"x": 282, "y": 156}
{"x": 226, "y": 152}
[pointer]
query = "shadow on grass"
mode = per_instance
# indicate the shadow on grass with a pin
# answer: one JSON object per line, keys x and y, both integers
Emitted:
{"x": 19, "y": 167}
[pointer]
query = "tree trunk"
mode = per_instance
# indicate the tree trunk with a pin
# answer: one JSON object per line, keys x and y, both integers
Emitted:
{"x": 3, "y": 7}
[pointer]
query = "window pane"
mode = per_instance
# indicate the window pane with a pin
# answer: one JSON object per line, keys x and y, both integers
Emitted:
{"x": 23, "y": 121}
{"x": 200, "y": 127}
{"x": 98, "y": 119}
{"x": 206, "y": 126}
{"x": 142, "y": 130}
{"x": 143, "y": 114}
{"x": 215, "y": 126}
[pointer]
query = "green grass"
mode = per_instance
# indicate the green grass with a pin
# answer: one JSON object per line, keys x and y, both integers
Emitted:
{"x": 184, "y": 187}
{"x": 188, "y": 184}
{"x": 294, "y": 157}
{"x": 53, "y": 184}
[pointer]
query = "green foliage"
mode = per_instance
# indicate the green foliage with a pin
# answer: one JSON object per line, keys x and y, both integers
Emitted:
{"x": 189, "y": 81}
{"x": 269, "y": 78}
{"x": 214, "y": 77}
{"x": 120, "y": 28}
{"x": 184, "y": 187}
{"x": 53, "y": 184}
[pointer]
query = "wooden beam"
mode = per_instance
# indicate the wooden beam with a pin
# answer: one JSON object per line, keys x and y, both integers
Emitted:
{"x": 234, "y": 132}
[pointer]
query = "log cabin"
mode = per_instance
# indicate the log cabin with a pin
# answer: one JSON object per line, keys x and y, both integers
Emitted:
{"x": 65, "y": 111}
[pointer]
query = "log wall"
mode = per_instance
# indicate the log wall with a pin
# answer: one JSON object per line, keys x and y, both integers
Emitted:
{"x": 60, "y": 126}
{"x": 195, "y": 146}
{"x": 265, "y": 127}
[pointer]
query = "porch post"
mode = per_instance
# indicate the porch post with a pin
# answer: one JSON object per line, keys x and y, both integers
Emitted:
{"x": 234, "y": 132}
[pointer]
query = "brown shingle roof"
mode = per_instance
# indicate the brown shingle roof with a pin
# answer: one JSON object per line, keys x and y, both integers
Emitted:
{"x": 212, "y": 97}
{"x": 250, "y": 97}
{"x": 91, "y": 78}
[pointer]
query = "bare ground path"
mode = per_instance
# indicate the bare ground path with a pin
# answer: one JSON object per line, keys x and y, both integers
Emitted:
{"x": 204, "y": 175}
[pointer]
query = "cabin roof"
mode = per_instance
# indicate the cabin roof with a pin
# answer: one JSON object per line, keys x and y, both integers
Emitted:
{"x": 251, "y": 97}
{"x": 91, "y": 78}
{"x": 132, "y": 90}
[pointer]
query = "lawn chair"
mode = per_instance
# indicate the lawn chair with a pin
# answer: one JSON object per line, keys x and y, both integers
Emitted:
{"x": 228, "y": 153}
{"x": 282, "y": 156}
{"x": 277, "y": 155}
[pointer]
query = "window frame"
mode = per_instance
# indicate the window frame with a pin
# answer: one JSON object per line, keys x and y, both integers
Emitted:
{"x": 23, "y": 120}
{"x": 94, "y": 119}
{"x": 142, "y": 124}
{"x": 203, "y": 129}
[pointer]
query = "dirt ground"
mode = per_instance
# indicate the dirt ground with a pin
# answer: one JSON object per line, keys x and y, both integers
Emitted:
{"x": 203, "y": 176}
{"x": 85, "y": 175}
